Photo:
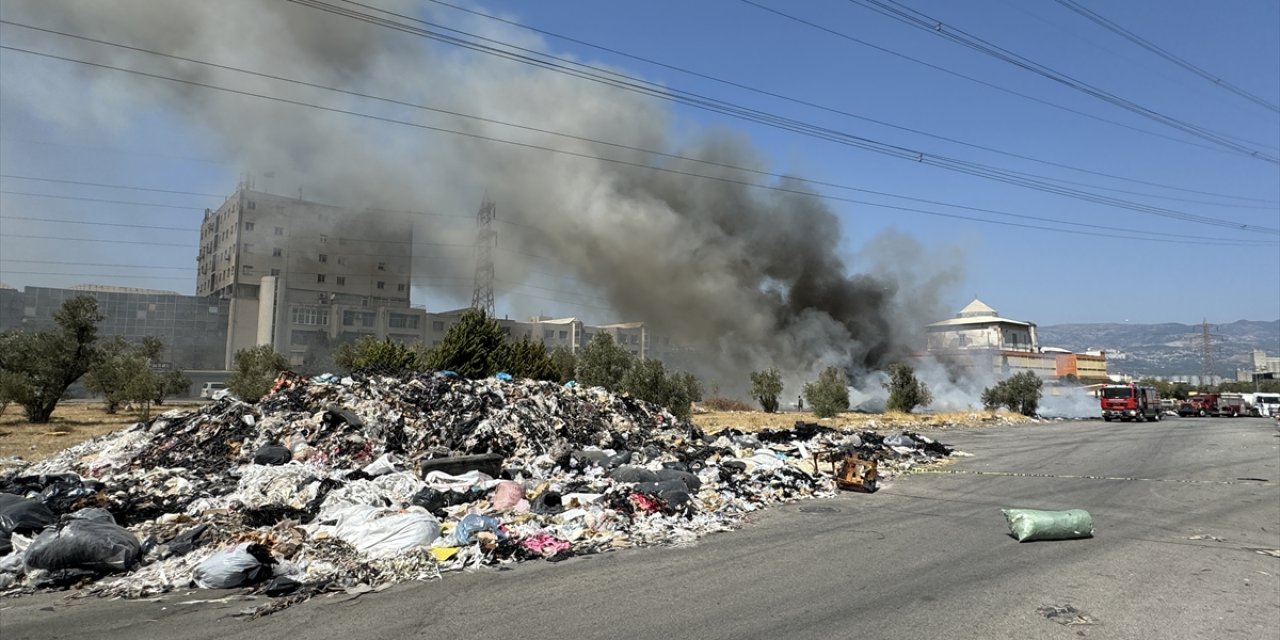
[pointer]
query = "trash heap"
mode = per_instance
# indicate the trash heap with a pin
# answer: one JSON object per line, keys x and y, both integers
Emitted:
{"x": 357, "y": 483}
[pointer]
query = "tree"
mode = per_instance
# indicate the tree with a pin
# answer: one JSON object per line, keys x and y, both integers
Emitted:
{"x": 370, "y": 352}
{"x": 43, "y": 364}
{"x": 829, "y": 394}
{"x": 906, "y": 392}
{"x": 526, "y": 359}
{"x": 603, "y": 363}
{"x": 648, "y": 380}
{"x": 255, "y": 370}
{"x": 1019, "y": 392}
{"x": 172, "y": 383}
{"x": 470, "y": 348}
{"x": 115, "y": 367}
{"x": 564, "y": 362}
{"x": 766, "y": 386}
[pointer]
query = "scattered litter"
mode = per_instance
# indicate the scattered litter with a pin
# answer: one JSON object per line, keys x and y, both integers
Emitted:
{"x": 353, "y": 484}
{"x": 1066, "y": 614}
{"x": 1206, "y": 537}
{"x": 1274, "y": 553}
{"x": 1030, "y": 524}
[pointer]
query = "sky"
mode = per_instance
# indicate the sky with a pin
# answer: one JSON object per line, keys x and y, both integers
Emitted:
{"x": 1130, "y": 219}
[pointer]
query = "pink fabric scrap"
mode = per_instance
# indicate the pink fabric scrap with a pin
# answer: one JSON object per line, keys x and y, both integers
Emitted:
{"x": 507, "y": 495}
{"x": 545, "y": 544}
{"x": 644, "y": 503}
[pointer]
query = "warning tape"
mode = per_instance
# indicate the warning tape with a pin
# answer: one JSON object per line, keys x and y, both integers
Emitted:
{"x": 1010, "y": 474}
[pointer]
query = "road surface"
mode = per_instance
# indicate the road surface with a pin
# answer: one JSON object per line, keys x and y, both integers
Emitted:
{"x": 1181, "y": 508}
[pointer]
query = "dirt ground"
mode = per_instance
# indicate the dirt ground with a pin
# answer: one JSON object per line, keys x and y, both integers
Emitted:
{"x": 712, "y": 421}
{"x": 72, "y": 423}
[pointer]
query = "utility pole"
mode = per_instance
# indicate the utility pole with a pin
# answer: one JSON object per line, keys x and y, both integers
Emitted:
{"x": 486, "y": 240}
{"x": 1206, "y": 354}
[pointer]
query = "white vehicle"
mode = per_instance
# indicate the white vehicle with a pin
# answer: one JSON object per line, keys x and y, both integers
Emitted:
{"x": 211, "y": 388}
{"x": 1266, "y": 405}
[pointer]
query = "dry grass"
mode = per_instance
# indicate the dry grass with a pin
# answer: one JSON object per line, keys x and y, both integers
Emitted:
{"x": 72, "y": 423}
{"x": 712, "y": 421}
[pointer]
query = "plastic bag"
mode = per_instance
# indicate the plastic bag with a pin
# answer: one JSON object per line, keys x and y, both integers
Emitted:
{"x": 23, "y": 514}
{"x": 272, "y": 454}
{"x": 1031, "y": 524}
{"x": 245, "y": 563}
{"x": 383, "y": 533}
{"x": 474, "y": 523}
{"x": 84, "y": 544}
{"x": 504, "y": 376}
{"x": 91, "y": 514}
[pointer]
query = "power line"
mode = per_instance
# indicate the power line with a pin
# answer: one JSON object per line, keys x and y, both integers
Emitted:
{"x": 903, "y": 56}
{"x": 83, "y": 199}
{"x": 843, "y": 112}
{"x": 1153, "y": 48}
{"x": 961, "y": 166}
{"x": 110, "y": 186}
{"x": 1144, "y": 235}
{"x": 926, "y": 23}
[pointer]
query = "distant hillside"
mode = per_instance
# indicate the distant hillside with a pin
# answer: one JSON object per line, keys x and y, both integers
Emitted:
{"x": 1167, "y": 349}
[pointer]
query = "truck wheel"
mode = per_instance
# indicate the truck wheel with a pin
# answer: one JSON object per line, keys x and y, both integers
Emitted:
{"x": 1156, "y": 417}
{"x": 1201, "y": 414}
{"x": 1106, "y": 418}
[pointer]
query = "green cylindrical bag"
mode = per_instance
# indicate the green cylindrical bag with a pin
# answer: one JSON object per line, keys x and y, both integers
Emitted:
{"x": 1032, "y": 524}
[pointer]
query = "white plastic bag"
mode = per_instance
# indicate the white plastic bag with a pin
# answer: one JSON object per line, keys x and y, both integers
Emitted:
{"x": 234, "y": 567}
{"x": 382, "y": 533}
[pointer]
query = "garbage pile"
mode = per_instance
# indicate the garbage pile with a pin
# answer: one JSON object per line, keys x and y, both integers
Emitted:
{"x": 356, "y": 483}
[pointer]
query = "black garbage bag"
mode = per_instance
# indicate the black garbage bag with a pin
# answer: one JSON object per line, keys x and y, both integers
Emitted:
{"x": 91, "y": 514}
{"x": 272, "y": 454}
{"x": 6, "y": 544}
{"x": 23, "y": 515}
{"x": 547, "y": 503}
{"x": 691, "y": 482}
{"x": 188, "y": 540}
{"x": 632, "y": 473}
{"x": 244, "y": 564}
{"x": 280, "y": 586}
{"x": 84, "y": 544}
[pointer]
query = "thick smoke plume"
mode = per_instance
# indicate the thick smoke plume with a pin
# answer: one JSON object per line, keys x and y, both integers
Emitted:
{"x": 748, "y": 277}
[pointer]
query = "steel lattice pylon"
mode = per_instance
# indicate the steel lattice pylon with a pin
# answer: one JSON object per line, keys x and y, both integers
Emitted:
{"x": 486, "y": 240}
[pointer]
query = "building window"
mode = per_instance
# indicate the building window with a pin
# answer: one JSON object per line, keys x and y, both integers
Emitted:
{"x": 275, "y": 272}
{"x": 303, "y": 314}
{"x": 506, "y": 331}
{"x": 547, "y": 334}
{"x": 248, "y": 247}
{"x": 342, "y": 260}
{"x": 324, "y": 257}
{"x": 277, "y": 252}
{"x": 402, "y": 321}
{"x": 252, "y": 205}
{"x": 324, "y": 239}
{"x": 213, "y": 311}
{"x": 279, "y": 231}
{"x": 382, "y": 266}
{"x": 382, "y": 285}
{"x": 320, "y": 278}
{"x": 142, "y": 315}
{"x": 247, "y": 269}
{"x": 342, "y": 281}
{"x": 564, "y": 335}
{"x": 437, "y": 325}
{"x": 400, "y": 287}
{"x": 248, "y": 226}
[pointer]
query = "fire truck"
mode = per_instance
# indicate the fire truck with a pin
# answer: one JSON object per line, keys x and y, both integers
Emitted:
{"x": 1201, "y": 405}
{"x": 1129, "y": 402}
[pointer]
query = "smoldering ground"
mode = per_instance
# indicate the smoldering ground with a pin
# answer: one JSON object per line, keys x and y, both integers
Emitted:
{"x": 745, "y": 277}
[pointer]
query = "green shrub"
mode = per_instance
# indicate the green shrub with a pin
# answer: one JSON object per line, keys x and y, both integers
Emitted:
{"x": 254, "y": 371}
{"x": 526, "y": 359}
{"x": 648, "y": 380}
{"x": 470, "y": 348}
{"x": 370, "y": 352}
{"x": 829, "y": 394}
{"x": 1020, "y": 392}
{"x": 603, "y": 363}
{"x": 766, "y": 386}
{"x": 41, "y": 365}
{"x": 906, "y": 392}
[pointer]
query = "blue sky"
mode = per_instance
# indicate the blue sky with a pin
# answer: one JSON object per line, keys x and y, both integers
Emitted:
{"x": 1200, "y": 271}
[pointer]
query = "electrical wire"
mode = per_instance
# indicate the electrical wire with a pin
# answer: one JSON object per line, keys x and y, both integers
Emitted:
{"x": 1153, "y": 48}
{"x": 926, "y": 23}
{"x": 855, "y": 116}
{"x": 938, "y": 160}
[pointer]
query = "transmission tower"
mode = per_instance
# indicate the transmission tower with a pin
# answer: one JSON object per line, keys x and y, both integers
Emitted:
{"x": 486, "y": 240}
{"x": 1206, "y": 354}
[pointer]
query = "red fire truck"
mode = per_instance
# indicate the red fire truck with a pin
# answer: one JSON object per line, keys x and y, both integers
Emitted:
{"x": 1129, "y": 402}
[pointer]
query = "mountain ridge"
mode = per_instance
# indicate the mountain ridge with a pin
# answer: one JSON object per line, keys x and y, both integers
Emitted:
{"x": 1167, "y": 348}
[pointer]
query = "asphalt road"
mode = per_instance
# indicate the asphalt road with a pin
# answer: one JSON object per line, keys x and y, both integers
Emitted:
{"x": 1180, "y": 508}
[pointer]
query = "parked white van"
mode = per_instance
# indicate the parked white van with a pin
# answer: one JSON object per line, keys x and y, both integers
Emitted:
{"x": 211, "y": 388}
